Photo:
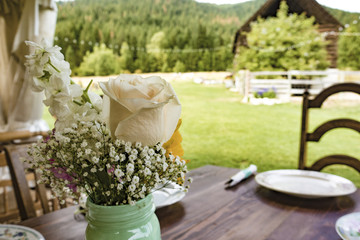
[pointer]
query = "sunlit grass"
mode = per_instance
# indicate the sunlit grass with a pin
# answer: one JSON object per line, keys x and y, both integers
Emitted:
{"x": 220, "y": 130}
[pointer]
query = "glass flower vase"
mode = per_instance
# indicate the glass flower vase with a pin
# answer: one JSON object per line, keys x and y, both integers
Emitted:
{"x": 123, "y": 222}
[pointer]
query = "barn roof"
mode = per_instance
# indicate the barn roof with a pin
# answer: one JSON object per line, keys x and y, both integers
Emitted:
{"x": 309, "y": 7}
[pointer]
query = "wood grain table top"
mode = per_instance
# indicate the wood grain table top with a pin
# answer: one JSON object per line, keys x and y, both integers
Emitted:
{"x": 209, "y": 211}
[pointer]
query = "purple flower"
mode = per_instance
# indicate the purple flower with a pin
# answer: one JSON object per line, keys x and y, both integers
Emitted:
{"x": 60, "y": 172}
{"x": 111, "y": 170}
{"x": 72, "y": 186}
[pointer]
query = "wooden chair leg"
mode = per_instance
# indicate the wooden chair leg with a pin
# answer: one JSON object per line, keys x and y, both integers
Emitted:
{"x": 20, "y": 185}
{"x": 42, "y": 194}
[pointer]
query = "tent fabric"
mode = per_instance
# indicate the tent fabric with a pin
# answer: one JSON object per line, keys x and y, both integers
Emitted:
{"x": 21, "y": 20}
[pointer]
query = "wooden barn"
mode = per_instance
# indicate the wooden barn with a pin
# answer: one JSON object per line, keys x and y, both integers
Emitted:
{"x": 326, "y": 22}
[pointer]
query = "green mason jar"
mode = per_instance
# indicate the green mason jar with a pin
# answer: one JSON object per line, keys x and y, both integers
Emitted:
{"x": 123, "y": 222}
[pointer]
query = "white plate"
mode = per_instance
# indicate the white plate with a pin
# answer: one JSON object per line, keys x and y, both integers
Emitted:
{"x": 304, "y": 183}
{"x": 17, "y": 232}
{"x": 168, "y": 195}
{"x": 348, "y": 226}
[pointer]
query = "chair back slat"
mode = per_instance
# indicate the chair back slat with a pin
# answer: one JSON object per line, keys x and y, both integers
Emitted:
{"x": 3, "y": 162}
{"x": 332, "y": 124}
{"x": 336, "y": 88}
{"x": 336, "y": 159}
{"x": 18, "y": 135}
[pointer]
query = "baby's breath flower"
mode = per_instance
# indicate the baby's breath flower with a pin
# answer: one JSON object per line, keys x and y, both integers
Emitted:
{"x": 117, "y": 142}
{"x": 118, "y": 173}
{"x": 147, "y": 172}
{"x": 95, "y": 160}
{"x": 134, "y": 152}
{"x": 135, "y": 180}
{"x": 133, "y": 170}
{"x": 84, "y": 144}
{"x": 132, "y": 188}
{"x": 151, "y": 152}
{"x": 130, "y": 167}
{"x": 127, "y": 149}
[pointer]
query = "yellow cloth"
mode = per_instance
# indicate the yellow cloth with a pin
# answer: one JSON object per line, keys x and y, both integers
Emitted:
{"x": 174, "y": 144}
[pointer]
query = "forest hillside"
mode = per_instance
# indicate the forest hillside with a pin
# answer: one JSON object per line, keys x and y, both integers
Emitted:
{"x": 153, "y": 35}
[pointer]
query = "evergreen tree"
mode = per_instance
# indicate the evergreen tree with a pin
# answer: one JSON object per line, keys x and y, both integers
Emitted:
{"x": 70, "y": 57}
{"x": 126, "y": 58}
{"x": 101, "y": 62}
{"x": 179, "y": 67}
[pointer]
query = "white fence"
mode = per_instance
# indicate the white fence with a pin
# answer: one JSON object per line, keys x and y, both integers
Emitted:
{"x": 289, "y": 83}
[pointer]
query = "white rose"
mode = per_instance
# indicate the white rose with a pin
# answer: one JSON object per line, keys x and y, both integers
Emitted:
{"x": 139, "y": 109}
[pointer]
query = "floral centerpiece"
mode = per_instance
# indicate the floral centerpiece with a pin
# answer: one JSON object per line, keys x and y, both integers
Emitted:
{"x": 117, "y": 149}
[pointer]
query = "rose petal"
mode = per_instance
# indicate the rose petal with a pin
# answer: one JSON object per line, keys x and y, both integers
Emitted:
{"x": 140, "y": 109}
{"x": 145, "y": 127}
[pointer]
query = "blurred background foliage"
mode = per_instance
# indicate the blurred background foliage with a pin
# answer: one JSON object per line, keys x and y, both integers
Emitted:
{"x": 164, "y": 35}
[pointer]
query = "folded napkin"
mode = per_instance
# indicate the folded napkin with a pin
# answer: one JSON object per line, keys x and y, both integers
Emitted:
{"x": 243, "y": 174}
{"x": 168, "y": 195}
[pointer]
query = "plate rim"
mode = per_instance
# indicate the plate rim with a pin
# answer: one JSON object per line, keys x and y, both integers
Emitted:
{"x": 32, "y": 230}
{"x": 300, "y": 172}
{"x": 181, "y": 194}
{"x": 341, "y": 218}
{"x": 167, "y": 203}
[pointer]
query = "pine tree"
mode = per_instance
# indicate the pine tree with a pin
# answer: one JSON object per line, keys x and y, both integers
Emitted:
{"x": 101, "y": 62}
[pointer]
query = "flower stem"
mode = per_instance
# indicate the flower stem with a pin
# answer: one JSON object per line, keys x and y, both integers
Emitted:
{"x": 49, "y": 62}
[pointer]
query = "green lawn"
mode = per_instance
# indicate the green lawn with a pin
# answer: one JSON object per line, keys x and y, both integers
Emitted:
{"x": 220, "y": 130}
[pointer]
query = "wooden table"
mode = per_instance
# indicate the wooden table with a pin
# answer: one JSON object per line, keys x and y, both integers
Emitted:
{"x": 245, "y": 212}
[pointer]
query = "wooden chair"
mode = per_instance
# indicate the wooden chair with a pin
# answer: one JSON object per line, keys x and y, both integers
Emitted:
{"x": 325, "y": 127}
{"x": 13, "y": 146}
{"x": 18, "y": 137}
{"x": 9, "y": 210}
{"x": 26, "y": 203}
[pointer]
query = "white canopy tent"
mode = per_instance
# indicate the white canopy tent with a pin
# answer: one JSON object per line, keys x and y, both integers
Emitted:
{"x": 21, "y": 20}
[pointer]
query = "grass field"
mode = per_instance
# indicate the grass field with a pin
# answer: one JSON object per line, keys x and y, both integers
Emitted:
{"x": 220, "y": 130}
